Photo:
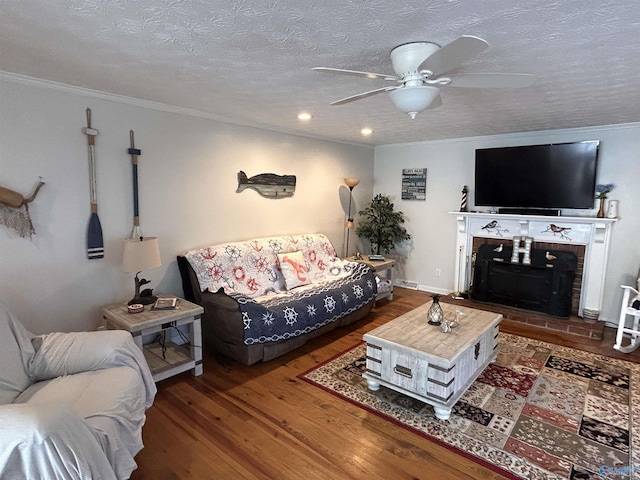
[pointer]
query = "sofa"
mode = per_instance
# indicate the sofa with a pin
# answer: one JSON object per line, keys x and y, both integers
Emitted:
{"x": 267, "y": 296}
{"x": 72, "y": 405}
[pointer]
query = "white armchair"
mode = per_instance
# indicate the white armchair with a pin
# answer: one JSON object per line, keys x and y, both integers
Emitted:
{"x": 72, "y": 405}
{"x": 627, "y": 310}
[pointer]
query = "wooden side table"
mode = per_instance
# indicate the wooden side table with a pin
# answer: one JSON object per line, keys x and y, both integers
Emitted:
{"x": 166, "y": 359}
{"x": 380, "y": 267}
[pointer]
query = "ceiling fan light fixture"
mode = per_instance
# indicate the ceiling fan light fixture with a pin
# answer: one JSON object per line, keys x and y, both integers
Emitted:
{"x": 413, "y": 99}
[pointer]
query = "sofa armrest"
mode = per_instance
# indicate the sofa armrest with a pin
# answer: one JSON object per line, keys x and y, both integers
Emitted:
{"x": 37, "y": 441}
{"x": 219, "y": 300}
{"x": 69, "y": 353}
{"x": 190, "y": 284}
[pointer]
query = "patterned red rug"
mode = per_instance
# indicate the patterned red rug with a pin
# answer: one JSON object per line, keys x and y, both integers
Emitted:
{"x": 541, "y": 411}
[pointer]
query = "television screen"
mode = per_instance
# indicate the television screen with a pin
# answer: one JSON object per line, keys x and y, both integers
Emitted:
{"x": 537, "y": 176}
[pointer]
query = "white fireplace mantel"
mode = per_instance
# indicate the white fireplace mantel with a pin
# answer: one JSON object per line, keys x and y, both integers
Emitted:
{"x": 593, "y": 232}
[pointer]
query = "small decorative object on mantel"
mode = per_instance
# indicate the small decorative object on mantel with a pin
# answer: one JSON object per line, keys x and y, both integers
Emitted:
{"x": 602, "y": 190}
{"x": 464, "y": 205}
{"x": 268, "y": 185}
{"x": 612, "y": 210}
{"x": 435, "y": 315}
{"x": 14, "y": 210}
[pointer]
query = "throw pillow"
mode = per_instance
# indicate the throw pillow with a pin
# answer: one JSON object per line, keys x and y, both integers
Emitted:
{"x": 294, "y": 269}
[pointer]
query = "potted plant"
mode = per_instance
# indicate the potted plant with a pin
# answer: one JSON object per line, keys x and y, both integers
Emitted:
{"x": 383, "y": 226}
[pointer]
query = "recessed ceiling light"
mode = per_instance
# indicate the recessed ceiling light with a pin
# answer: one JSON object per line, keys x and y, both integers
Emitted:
{"x": 304, "y": 116}
{"x": 366, "y": 131}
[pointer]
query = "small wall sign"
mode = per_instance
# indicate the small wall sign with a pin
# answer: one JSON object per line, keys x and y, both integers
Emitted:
{"x": 414, "y": 184}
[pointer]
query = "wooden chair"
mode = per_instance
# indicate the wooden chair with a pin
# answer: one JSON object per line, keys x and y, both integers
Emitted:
{"x": 626, "y": 310}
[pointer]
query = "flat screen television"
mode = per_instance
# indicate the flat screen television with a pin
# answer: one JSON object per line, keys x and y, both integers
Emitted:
{"x": 555, "y": 176}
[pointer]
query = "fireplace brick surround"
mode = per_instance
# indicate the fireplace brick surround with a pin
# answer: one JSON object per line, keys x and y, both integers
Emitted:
{"x": 587, "y": 237}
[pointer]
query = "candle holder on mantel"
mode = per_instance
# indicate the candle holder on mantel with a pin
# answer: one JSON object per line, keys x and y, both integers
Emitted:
{"x": 435, "y": 315}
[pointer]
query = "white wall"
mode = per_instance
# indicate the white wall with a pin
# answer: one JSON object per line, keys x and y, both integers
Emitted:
{"x": 450, "y": 165}
{"x": 187, "y": 180}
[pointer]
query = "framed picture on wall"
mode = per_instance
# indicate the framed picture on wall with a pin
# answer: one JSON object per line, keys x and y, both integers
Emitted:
{"x": 414, "y": 184}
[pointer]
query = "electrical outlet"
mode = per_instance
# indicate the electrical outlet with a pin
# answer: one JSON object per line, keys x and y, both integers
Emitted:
{"x": 438, "y": 272}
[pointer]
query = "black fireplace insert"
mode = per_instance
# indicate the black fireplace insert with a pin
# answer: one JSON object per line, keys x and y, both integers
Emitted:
{"x": 544, "y": 285}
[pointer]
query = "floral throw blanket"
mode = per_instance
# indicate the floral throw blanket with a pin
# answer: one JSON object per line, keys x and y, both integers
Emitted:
{"x": 252, "y": 268}
{"x": 304, "y": 309}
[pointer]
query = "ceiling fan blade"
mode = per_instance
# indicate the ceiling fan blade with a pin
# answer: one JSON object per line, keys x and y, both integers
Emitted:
{"x": 437, "y": 102}
{"x": 356, "y": 73}
{"x": 453, "y": 54}
{"x": 492, "y": 80}
{"x": 362, "y": 95}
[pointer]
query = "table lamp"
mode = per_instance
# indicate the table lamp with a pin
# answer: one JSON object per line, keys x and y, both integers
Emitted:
{"x": 139, "y": 254}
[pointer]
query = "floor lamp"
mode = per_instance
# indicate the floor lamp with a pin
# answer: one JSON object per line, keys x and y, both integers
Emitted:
{"x": 351, "y": 183}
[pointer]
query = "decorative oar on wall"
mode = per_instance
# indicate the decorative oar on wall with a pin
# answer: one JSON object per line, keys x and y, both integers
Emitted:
{"x": 135, "y": 152}
{"x": 95, "y": 245}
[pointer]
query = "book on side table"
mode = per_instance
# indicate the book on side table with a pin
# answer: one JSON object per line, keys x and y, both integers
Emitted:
{"x": 166, "y": 303}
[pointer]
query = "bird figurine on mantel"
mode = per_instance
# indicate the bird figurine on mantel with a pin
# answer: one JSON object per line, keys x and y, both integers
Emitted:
{"x": 498, "y": 249}
{"x": 548, "y": 256}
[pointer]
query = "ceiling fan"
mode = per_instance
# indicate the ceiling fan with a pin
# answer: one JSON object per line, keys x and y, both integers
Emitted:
{"x": 419, "y": 67}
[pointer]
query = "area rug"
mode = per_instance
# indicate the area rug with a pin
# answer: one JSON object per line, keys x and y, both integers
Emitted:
{"x": 540, "y": 411}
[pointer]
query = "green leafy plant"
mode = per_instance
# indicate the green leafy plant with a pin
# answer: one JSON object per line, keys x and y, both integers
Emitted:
{"x": 383, "y": 225}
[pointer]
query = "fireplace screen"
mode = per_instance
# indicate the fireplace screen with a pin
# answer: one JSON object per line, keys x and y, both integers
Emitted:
{"x": 543, "y": 284}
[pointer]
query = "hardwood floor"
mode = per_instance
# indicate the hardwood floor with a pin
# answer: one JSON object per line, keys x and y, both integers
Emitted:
{"x": 261, "y": 422}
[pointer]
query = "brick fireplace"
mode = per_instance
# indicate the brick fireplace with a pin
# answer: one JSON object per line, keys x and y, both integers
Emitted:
{"x": 587, "y": 237}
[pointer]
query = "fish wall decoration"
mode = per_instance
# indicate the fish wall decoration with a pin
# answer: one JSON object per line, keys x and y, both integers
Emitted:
{"x": 268, "y": 185}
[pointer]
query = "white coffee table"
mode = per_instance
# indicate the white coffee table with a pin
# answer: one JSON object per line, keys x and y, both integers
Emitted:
{"x": 412, "y": 357}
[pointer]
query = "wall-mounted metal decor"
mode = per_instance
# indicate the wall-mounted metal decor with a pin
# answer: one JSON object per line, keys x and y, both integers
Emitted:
{"x": 269, "y": 185}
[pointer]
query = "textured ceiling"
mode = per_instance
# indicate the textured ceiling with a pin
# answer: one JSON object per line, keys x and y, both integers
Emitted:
{"x": 250, "y": 61}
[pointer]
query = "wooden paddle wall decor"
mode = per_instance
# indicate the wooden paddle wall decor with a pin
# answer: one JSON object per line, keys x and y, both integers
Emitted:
{"x": 95, "y": 244}
{"x": 135, "y": 153}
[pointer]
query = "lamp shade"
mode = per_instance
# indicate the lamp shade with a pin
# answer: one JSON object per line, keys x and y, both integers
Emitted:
{"x": 351, "y": 182}
{"x": 413, "y": 99}
{"x": 140, "y": 254}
